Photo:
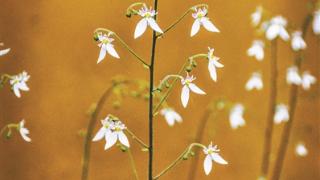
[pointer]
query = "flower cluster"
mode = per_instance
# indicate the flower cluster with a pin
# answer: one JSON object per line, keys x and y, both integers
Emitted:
{"x": 305, "y": 80}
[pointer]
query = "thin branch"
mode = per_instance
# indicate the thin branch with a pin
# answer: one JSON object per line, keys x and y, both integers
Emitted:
{"x": 134, "y": 137}
{"x": 133, "y": 165}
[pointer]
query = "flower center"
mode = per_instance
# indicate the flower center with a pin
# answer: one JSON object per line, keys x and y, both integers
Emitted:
{"x": 105, "y": 41}
{"x": 147, "y": 15}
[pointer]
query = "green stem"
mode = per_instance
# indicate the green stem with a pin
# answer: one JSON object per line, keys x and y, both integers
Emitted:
{"x": 133, "y": 166}
{"x": 134, "y": 137}
{"x": 182, "y": 156}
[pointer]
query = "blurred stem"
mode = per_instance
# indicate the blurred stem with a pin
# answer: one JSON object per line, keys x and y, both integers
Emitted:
{"x": 292, "y": 107}
{"x": 151, "y": 83}
{"x": 133, "y": 166}
{"x": 92, "y": 122}
{"x": 199, "y": 138}
{"x": 134, "y": 137}
{"x": 183, "y": 156}
{"x": 272, "y": 105}
{"x": 126, "y": 46}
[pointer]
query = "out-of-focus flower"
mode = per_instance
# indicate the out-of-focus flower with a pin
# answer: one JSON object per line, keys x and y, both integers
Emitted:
{"x": 255, "y": 82}
{"x": 297, "y": 42}
{"x": 104, "y": 130}
{"x": 301, "y": 150}
{"x": 256, "y": 50}
{"x": 213, "y": 64}
{"x": 277, "y": 28}
{"x": 256, "y": 16}
{"x": 171, "y": 116}
{"x": 307, "y": 80}
{"x": 4, "y": 51}
{"x": 282, "y": 114}
{"x": 201, "y": 18}
{"x": 105, "y": 43}
{"x": 212, "y": 154}
{"x": 19, "y": 83}
{"x": 236, "y": 116}
{"x": 316, "y": 22}
{"x": 147, "y": 20}
{"x": 24, "y": 131}
{"x": 293, "y": 76}
{"x": 187, "y": 86}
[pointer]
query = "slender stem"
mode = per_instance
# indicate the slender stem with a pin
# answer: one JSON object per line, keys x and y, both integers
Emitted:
{"x": 182, "y": 156}
{"x": 92, "y": 122}
{"x": 3, "y": 129}
{"x": 151, "y": 79}
{"x": 165, "y": 79}
{"x": 126, "y": 46}
{"x": 198, "y": 138}
{"x": 133, "y": 165}
{"x": 272, "y": 105}
{"x": 292, "y": 108}
{"x": 134, "y": 137}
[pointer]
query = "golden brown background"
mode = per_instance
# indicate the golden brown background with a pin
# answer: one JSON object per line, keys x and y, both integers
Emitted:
{"x": 52, "y": 40}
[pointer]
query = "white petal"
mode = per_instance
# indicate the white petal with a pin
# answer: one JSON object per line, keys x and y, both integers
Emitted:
{"x": 102, "y": 54}
{"x": 23, "y": 86}
{"x": 272, "y": 32}
{"x": 170, "y": 119}
{"x": 185, "y": 95}
{"x": 195, "y": 27}
{"x": 140, "y": 28}
{"x": 217, "y": 158}
{"x": 4, "y": 51}
{"x": 177, "y": 117}
{"x": 100, "y": 134}
{"x": 209, "y": 25}
{"x": 194, "y": 88}
{"x": 112, "y": 51}
{"x": 153, "y": 24}
{"x": 123, "y": 139}
{"x": 218, "y": 64}
{"x": 207, "y": 164}
{"x": 111, "y": 139}
{"x": 284, "y": 34}
{"x": 212, "y": 70}
{"x": 24, "y": 132}
{"x": 16, "y": 91}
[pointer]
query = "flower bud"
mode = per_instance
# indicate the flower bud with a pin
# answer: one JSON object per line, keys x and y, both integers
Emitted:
{"x": 116, "y": 104}
{"x": 95, "y": 37}
{"x": 189, "y": 68}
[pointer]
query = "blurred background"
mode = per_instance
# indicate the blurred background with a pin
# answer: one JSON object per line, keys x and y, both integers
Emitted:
{"x": 52, "y": 40}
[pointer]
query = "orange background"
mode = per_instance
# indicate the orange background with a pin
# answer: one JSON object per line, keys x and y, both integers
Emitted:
{"x": 52, "y": 40}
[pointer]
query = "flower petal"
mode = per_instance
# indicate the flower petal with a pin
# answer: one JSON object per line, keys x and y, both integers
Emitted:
{"x": 272, "y": 32}
{"x": 100, "y": 134}
{"x": 123, "y": 139}
{"x": 185, "y": 95}
{"x": 194, "y": 88}
{"x": 16, "y": 91}
{"x": 195, "y": 27}
{"x": 153, "y": 24}
{"x": 102, "y": 54}
{"x": 112, "y": 51}
{"x": 284, "y": 34}
{"x": 217, "y": 158}
{"x": 207, "y": 164}
{"x": 111, "y": 139}
{"x": 140, "y": 28}
{"x": 170, "y": 118}
{"x": 208, "y": 25}
{"x": 4, "y": 51}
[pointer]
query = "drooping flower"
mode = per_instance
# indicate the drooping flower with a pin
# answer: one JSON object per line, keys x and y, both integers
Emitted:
{"x": 18, "y": 83}
{"x": 105, "y": 130}
{"x": 187, "y": 86}
{"x": 24, "y": 131}
{"x": 316, "y": 22}
{"x": 4, "y": 51}
{"x": 307, "y": 80}
{"x": 277, "y": 28}
{"x": 256, "y": 50}
{"x": 171, "y": 116}
{"x": 293, "y": 76}
{"x": 105, "y": 43}
{"x": 147, "y": 20}
{"x": 255, "y": 82}
{"x": 116, "y": 134}
{"x": 236, "y": 116}
{"x": 213, "y": 64}
{"x": 297, "y": 42}
{"x": 282, "y": 114}
{"x": 256, "y": 16}
{"x": 212, "y": 154}
{"x": 301, "y": 150}
{"x": 201, "y": 18}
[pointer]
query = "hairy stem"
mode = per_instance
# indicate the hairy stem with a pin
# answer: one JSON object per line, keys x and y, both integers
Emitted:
{"x": 182, "y": 156}
{"x": 151, "y": 79}
{"x": 272, "y": 105}
{"x": 292, "y": 108}
{"x": 133, "y": 165}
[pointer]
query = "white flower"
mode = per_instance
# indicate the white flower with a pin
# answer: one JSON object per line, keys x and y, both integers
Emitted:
{"x": 301, "y": 150}
{"x": 4, "y": 51}
{"x": 147, "y": 20}
{"x": 256, "y": 16}
{"x": 277, "y": 27}
{"x": 212, "y": 154}
{"x": 24, "y": 131}
{"x": 116, "y": 133}
{"x": 255, "y": 82}
{"x": 171, "y": 116}
{"x": 307, "y": 80}
{"x": 282, "y": 114}
{"x": 297, "y": 42}
{"x": 106, "y": 46}
{"x": 236, "y": 116}
{"x": 104, "y": 130}
{"x": 213, "y": 64}
{"x": 18, "y": 83}
{"x": 293, "y": 76}
{"x": 316, "y": 22}
{"x": 256, "y": 50}
{"x": 187, "y": 86}
{"x": 201, "y": 18}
